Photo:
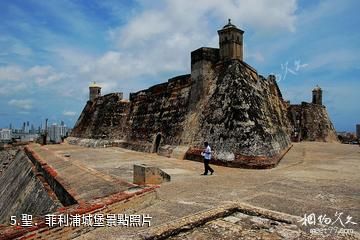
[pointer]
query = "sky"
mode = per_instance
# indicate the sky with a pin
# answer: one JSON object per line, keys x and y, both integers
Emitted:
{"x": 50, "y": 51}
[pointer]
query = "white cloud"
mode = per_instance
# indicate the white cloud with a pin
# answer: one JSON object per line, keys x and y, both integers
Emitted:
{"x": 160, "y": 37}
{"x": 156, "y": 40}
{"x": 44, "y": 75}
{"x": 191, "y": 18}
{"x": 9, "y": 88}
{"x": 24, "y": 104}
{"x": 11, "y": 72}
{"x": 41, "y": 75}
{"x": 47, "y": 79}
{"x": 69, "y": 113}
{"x": 39, "y": 70}
{"x": 72, "y": 56}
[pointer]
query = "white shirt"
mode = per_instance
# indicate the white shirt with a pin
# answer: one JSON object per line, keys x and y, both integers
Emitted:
{"x": 207, "y": 153}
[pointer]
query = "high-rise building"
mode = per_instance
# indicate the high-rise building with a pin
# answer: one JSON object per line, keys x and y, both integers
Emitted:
{"x": 54, "y": 133}
{"x": 27, "y": 127}
{"x": 5, "y": 135}
{"x": 358, "y": 130}
{"x": 57, "y": 132}
{"x": 63, "y": 130}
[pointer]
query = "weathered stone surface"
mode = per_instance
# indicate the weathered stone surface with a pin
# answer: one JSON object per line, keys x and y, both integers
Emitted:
{"x": 243, "y": 116}
{"x": 105, "y": 117}
{"x": 21, "y": 192}
{"x": 6, "y": 157}
{"x": 159, "y": 112}
{"x": 310, "y": 122}
{"x": 232, "y": 221}
{"x": 95, "y": 143}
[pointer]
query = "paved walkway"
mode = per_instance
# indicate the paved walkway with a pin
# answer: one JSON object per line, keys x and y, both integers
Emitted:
{"x": 82, "y": 181}
{"x": 320, "y": 178}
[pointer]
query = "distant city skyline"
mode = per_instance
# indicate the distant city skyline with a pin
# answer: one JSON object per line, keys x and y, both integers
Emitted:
{"x": 28, "y": 132}
{"x": 50, "y": 51}
{"x": 31, "y": 125}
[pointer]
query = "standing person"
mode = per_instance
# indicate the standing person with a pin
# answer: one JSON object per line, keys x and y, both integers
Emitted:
{"x": 207, "y": 157}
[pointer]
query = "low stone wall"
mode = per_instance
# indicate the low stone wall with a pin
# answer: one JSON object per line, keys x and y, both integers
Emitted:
{"x": 104, "y": 143}
{"x": 95, "y": 143}
{"x": 166, "y": 150}
{"x": 237, "y": 160}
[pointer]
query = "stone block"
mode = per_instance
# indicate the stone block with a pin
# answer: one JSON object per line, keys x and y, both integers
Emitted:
{"x": 179, "y": 152}
{"x": 146, "y": 174}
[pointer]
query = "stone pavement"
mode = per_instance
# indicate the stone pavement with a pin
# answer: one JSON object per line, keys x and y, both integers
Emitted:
{"x": 83, "y": 182}
{"x": 320, "y": 178}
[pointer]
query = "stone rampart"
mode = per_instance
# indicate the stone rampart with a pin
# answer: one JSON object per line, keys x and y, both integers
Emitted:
{"x": 311, "y": 122}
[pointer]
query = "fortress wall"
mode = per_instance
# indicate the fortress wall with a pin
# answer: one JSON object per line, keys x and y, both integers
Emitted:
{"x": 104, "y": 118}
{"x": 203, "y": 75}
{"x": 241, "y": 114}
{"x": 244, "y": 119}
{"x": 205, "y": 53}
{"x": 278, "y": 109}
{"x": 310, "y": 122}
{"x": 160, "y": 109}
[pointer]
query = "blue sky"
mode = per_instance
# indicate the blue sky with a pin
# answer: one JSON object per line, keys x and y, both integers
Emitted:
{"x": 50, "y": 51}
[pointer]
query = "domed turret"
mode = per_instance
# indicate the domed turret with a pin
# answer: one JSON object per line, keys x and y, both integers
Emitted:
{"x": 229, "y": 25}
{"x": 94, "y": 91}
{"x": 231, "y": 42}
{"x": 317, "y": 95}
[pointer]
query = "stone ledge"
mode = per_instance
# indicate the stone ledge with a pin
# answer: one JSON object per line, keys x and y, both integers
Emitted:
{"x": 240, "y": 161}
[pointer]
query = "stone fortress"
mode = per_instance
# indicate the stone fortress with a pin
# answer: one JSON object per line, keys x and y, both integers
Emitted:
{"x": 223, "y": 101}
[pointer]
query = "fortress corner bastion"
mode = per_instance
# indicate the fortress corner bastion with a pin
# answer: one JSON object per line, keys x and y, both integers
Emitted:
{"x": 223, "y": 101}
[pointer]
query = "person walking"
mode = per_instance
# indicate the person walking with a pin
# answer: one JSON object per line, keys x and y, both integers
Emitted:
{"x": 207, "y": 157}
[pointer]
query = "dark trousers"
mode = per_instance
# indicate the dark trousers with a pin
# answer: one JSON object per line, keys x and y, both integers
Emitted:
{"x": 207, "y": 167}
